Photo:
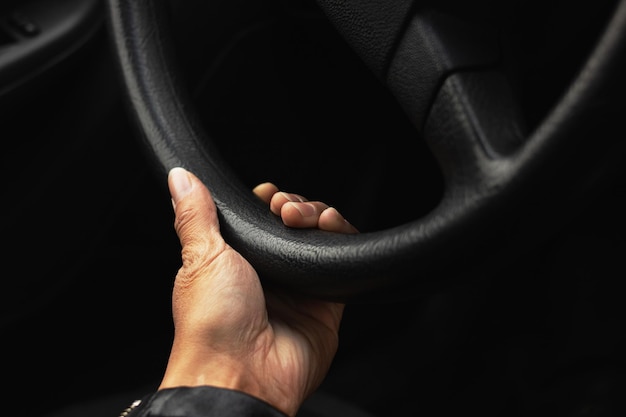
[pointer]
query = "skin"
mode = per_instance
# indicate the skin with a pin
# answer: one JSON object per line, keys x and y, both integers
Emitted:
{"x": 229, "y": 333}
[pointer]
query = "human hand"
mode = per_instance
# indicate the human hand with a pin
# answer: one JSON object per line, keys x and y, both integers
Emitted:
{"x": 229, "y": 333}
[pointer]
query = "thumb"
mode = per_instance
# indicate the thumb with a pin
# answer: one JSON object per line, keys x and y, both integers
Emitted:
{"x": 196, "y": 215}
{"x": 180, "y": 184}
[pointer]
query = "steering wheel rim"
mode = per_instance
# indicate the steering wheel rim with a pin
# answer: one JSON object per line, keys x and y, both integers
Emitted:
{"x": 488, "y": 178}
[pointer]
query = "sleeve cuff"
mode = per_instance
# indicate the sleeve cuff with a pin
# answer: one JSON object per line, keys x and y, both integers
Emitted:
{"x": 204, "y": 401}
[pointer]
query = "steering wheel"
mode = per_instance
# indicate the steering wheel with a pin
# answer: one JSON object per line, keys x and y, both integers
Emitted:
{"x": 503, "y": 184}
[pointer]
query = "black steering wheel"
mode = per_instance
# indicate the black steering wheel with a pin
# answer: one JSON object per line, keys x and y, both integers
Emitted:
{"x": 503, "y": 183}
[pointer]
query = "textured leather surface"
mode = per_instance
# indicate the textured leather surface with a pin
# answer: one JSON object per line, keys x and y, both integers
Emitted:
{"x": 492, "y": 200}
{"x": 411, "y": 48}
{"x": 433, "y": 46}
{"x": 371, "y": 27}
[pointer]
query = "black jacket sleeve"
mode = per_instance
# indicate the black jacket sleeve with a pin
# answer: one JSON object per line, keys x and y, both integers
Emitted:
{"x": 200, "y": 402}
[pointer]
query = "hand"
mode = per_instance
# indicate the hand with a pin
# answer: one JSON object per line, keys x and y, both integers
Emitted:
{"x": 228, "y": 332}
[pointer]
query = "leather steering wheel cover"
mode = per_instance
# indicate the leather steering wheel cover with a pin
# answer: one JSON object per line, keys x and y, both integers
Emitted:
{"x": 464, "y": 233}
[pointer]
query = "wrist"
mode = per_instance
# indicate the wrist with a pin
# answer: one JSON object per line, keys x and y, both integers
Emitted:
{"x": 226, "y": 373}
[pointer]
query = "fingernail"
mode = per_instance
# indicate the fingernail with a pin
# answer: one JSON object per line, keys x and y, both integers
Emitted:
{"x": 180, "y": 184}
{"x": 306, "y": 209}
{"x": 335, "y": 212}
{"x": 292, "y": 197}
{"x": 337, "y": 215}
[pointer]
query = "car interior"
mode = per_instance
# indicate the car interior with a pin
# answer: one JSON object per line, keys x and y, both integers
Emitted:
{"x": 479, "y": 148}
